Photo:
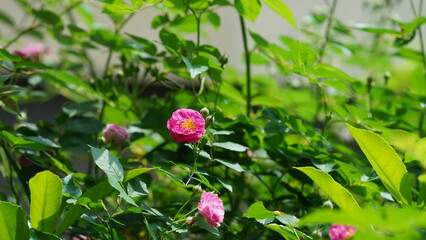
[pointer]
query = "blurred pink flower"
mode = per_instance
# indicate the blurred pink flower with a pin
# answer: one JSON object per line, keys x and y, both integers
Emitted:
{"x": 80, "y": 237}
{"x": 32, "y": 51}
{"x": 116, "y": 134}
{"x": 24, "y": 162}
{"x": 186, "y": 125}
{"x": 211, "y": 208}
{"x": 340, "y": 232}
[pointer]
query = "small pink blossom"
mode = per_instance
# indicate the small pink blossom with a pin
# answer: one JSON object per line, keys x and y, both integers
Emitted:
{"x": 32, "y": 51}
{"x": 116, "y": 134}
{"x": 340, "y": 232}
{"x": 186, "y": 125}
{"x": 190, "y": 221}
{"x": 81, "y": 237}
{"x": 211, "y": 208}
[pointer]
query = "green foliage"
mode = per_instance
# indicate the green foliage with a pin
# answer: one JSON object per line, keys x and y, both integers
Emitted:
{"x": 277, "y": 147}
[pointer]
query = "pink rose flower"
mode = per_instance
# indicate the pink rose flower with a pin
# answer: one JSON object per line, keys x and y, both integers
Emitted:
{"x": 116, "y": 134}
{"x": 340, "y": 232}
{"x": 211, "y": 208}
{"x": 32, "y": 51}
{"x": 186, "y": 125}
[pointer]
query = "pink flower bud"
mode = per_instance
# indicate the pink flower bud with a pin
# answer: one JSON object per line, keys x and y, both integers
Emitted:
{"x": 190, "y": 221}
{"x": 115, "y": 134}
{"x": 340, "y": 232}
{"x": 211, "y": 208}
{"x": 186, "y": 125}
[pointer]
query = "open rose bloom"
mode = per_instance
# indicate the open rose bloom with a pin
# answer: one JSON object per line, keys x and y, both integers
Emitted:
{"x": 211, "y": 208}
{"x": 116, "y": 134}
{"x": 186, "y": 125}
{"x": 340, "y": 232}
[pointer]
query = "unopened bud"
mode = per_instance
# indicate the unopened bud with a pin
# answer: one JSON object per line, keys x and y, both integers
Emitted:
{"x": 204, "y": 112}
{"x": 197, "y": 189}
{"x": 190, "y": 221}
{"x": 328, "y": 204}
{"x": 209, "y": 120}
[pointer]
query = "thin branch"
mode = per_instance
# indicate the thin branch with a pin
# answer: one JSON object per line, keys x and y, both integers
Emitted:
{"x": 327, "y": 30}
{"x": 248, "y": 65}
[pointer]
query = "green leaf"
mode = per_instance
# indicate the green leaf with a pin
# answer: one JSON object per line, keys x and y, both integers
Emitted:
{"x": 287, "y": 232}
{"x": 258, "y": 211}
{"x": 194, "y": 70}
{"x": 236, "y": 166}
{"x": 249, "y": 9}
{"x": 118, "y": 8}
{"x": 374, "y": 29}
{"x": 340, "y": 195}
{"x": 4, "y": 78}
{"x": 95, "y": 193}
{"x": 171, "y": 41}
{"x": 49, "y": 17}
{"x": 400, "y": 139}
{"x": 417, "y": 152}
{"x": 386, "y": 162}
{"x": 70, "y": 85}
{"x": 137, "y": 188}
{"x": 231, "y": 146}
{"x": 9, "y": 105}
{"x": 109, "y": 164}
{"x": 283, "y": 10}
{"x": 5, "y": 18}
{"x": 28, "y": 65}
{"x": 13, "y": 222}
{"x": 46, "y": 199}
{"x": 6, "y": 56}
{"x": 327, "y": 71}
{"x": 118, "y": 186}
{"x": 225, "y": 185}
{"x": 137, "y": 3}
{"x": 20, "y": 142}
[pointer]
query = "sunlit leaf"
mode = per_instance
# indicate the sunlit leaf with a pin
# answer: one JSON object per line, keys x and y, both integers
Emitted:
{"x": 13, "y": 222}
{"x": 340, "y": 195}
{"x": 283, "y": 10}
{"x": 46, "y": 199}
{"x": 258, "y": 211}
{"x": 249, "y": 9}
{"x": 386, "y": 162}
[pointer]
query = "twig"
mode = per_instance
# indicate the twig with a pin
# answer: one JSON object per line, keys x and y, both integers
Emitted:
{"x": 248, "y": 65}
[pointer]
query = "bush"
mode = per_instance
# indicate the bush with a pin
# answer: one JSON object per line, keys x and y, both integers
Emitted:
{"x": 169, "y": 142}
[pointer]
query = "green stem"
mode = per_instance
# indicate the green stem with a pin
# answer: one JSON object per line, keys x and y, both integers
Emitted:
{"x": 12, "y": 162}
{"x": 422, "y": 47}
{"x": 248, "y": 65}
{"x": 327, "y": 30}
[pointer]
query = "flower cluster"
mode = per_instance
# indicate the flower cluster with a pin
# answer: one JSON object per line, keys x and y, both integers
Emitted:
{"x": 186, "y": 125}
{"x": 211, "y": 208}
{"x": 115, "y": 134}
{"x": 340, "y": 232}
